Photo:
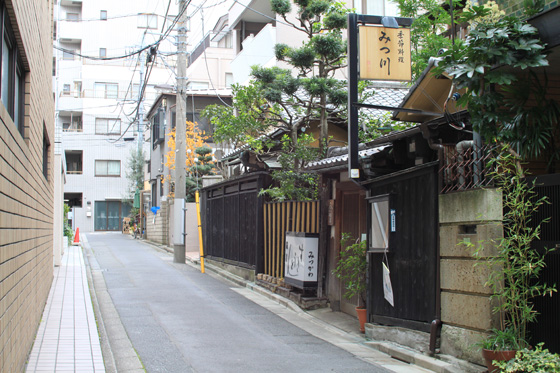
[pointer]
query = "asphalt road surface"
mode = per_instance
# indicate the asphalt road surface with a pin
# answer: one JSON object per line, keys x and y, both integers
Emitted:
{"x": 180, "y": 320}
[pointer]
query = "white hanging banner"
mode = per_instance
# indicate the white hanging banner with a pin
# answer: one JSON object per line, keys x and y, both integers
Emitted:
{"x": 387, "y": 288}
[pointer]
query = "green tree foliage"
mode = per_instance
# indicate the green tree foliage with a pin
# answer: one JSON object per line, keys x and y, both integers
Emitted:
{"x": 203, "y": 165}
{"x": 135, "y": 172}
{"x": 427, "y": 36}
{"x": 507, "y": 105}
{"x": 304, "y": 92}
{"x": 246, "y": 121}
{"x": 291, "y": 182}
{"x": 352, "y": 267}
{"x": 67, "y": 229}
{"x": 515, "y": 266}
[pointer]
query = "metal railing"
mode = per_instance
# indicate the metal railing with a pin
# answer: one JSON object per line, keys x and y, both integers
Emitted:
{"x": 465, "y": 166}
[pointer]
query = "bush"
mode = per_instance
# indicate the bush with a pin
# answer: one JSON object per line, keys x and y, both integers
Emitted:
{"x": 538, "y": 359}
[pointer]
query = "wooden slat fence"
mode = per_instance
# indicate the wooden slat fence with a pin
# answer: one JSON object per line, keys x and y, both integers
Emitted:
{"x": 282, "y": 217}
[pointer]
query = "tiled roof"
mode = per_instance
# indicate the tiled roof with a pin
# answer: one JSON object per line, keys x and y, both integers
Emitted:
{"x": 388, "y": 94}
{"x": 342, "y": 158}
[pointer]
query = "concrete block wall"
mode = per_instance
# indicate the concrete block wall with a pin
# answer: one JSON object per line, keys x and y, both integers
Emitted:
{"x": 466, "y": 309}
{"x": 26, "y": 194}
{"x": 157, "y": 227}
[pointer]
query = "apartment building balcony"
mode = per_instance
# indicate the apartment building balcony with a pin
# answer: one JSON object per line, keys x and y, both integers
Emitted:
{"x": 257, "y": 50}
{"x": 70, "y": 32}
{"x": 70, "y": 2}
{"x": 70, "y": 100}
{"x": 250, "y": 11}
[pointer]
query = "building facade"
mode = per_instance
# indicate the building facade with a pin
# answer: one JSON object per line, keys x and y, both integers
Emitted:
{"x": 26, "y": 175}
{"x": 99, "y": 76}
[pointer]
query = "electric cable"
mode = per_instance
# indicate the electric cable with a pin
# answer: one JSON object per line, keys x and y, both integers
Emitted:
{"x": 207, "y": 68}
{"x": 148, "y": 73}
{"x": 96, "y": 58}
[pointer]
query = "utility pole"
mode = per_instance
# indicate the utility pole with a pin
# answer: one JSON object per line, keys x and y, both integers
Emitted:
{"x": 140, "y": 104}
{"x": 180, "y": 157}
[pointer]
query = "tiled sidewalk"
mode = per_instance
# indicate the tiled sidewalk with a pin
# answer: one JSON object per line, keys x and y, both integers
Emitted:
{"x": 67, "y": 339}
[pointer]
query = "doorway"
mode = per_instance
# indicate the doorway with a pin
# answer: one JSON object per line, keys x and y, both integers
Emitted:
{"x": 109, "y": 215}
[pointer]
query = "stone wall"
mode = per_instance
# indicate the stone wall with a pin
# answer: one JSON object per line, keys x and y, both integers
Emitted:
{"x": 157, "y": 226}
{"x": 466, "y": 309}
{"x": 27, "y": 188}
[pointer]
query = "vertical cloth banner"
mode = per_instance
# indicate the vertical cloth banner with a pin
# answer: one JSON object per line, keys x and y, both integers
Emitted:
{"x": 387, "y": 287}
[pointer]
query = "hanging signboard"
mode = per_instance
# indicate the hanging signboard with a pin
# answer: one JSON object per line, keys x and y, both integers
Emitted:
{"x": 384, "y": 53}
{"x": 387, "y": 287}
{"x": 301, "y": 259}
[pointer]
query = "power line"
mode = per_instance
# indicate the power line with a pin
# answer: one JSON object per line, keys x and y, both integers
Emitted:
{"x": 206, "y": 63}
{"x": 152, "y": 45}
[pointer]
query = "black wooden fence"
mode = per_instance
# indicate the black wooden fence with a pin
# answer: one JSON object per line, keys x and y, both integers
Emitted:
{"x": 232, "y": 221}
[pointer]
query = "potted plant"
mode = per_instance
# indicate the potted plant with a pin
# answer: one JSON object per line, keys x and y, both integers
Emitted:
{"x": 514, "y": 266}
{"x": 352, "y": 271}
{"x": 538, "y": 359}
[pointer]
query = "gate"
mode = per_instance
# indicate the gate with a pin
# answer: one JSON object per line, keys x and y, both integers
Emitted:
{"x": 282, "y": 217}
{"x": 232, "y": 220}
{"x": 412, "y": 253}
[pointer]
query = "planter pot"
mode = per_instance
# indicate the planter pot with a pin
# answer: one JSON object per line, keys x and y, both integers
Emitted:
{"x": 490, "y": 355}
{"x": 362, "y": 317}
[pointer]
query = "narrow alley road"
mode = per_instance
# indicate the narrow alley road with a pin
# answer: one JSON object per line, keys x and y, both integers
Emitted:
{"x": 180, "y": 320}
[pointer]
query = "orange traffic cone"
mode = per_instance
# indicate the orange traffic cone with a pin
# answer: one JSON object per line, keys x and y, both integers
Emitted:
{"x": 77, "y": 237}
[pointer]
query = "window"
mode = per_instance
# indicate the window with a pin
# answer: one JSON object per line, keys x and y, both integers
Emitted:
{"x": 147, "y": 21}
{"x": 73, "y": 162}
{"x": 107, "y": 168}
{"x": 68, "y": 55}
{"x": 12, "y": 74}
{"x": 103, "y": 15}
{"x": 102, "y": 52}
{"x": 158, "y": 127}
{"x": 71, "y": 124}
{"x": 77, "y": 88}
{"x": 106, "y": 90}
{"x": 229, "y": 80}
{"x": 133, "y": 93}
{"x": 66, "y": 89}
{"x": 72, "y": 17}
{"x": 381, "y": 218}
{"x": 46, "y": 150}
{"x": 107, "y": 126}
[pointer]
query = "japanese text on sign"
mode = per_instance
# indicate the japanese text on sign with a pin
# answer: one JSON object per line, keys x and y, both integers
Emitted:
{"x": 384, "y": 53}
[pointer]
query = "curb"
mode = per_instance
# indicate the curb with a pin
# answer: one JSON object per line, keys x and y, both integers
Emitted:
{"x": 115, "y": 344}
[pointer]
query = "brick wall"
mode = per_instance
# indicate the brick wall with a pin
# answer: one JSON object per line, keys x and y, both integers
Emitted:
{"x": 26, "y": 195}
{"x": 515, "y": 7}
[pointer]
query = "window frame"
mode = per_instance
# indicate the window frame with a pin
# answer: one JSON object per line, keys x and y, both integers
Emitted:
{"x": 108, "y": 123}
{"x": 146, "y": 21}
{"x": 103, "y": 15}
{"x": 15, "y": 73}
{"x": 373, "y": 218}
{"x": 105, "y": 85}
{"x": 107, "y": 164}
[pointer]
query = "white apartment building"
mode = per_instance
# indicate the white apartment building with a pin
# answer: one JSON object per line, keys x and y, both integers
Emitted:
{"x": 257, "y": 29}
{"x": 97, "y": 107}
